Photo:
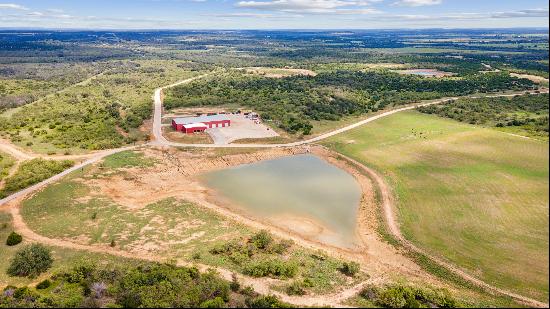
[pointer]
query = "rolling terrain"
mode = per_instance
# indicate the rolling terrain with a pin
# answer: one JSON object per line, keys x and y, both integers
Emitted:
{"x": 476, "y": 197}
{"x": 446, "y": 137}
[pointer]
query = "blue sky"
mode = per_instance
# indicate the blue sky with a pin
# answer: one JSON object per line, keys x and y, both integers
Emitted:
{"x": 273, "y": 14}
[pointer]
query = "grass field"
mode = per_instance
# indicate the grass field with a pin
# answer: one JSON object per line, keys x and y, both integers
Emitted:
{"x": 476, "y": 197}
{"x": 64, "y": 259}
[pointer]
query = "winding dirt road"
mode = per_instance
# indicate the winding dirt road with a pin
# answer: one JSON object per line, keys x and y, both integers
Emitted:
{"x": 160, "y": 140}
{"x": 261, "y": 285}
{"x": 387, "y": 201}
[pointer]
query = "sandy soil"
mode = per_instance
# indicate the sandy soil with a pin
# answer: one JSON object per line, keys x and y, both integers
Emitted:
{"x": 431, "y": 72}
{"x": 142, "y": 186}
{"x": 533, "y": 78}
{"x": 240, "y": 128}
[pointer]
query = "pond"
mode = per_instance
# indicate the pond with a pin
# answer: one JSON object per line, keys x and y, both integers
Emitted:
{"x": 302, "y": 193}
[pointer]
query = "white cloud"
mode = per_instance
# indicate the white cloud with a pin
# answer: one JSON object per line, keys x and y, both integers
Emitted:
{"x": 531, "y": 13}
{"x": 522, "y": 13}
{"x": 58, "y": 11}
{"x": 35, "y": 14}
{"x": 418, "y": 2}
{"x": 12, "y": 6}
{"x": 304, "y": 6}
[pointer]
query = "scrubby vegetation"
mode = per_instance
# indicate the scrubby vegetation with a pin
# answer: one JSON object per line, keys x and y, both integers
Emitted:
{"x": 30, "y": 261}
{"x": 32, "y": 172}
{"x": 14, "y": 239}
{"x": 127, "y": 159}
{"x": 254, "y": 256}
{"x": 293, "y": 102}
{"x": 142, "y": 286}
{"x": 6, "y": 162}
{"x": 526, "y": 113}
{"x": 106, "y": 112}
{"x": 24, "y": 83}
{"x": 262, "y": 256}
{"x": 408, "y": 296}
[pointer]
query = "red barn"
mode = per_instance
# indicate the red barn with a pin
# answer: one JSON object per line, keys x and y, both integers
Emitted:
{"x": 200, "y": 123}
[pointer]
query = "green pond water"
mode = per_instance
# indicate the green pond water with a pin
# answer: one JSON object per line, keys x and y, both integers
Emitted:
{"x": 302, "y": 193}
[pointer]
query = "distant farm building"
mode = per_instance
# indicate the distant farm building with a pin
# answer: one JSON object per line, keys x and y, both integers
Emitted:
{"x": 200, "y": 123}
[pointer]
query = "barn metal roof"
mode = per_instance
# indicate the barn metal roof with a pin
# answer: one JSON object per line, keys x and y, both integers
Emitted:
{"x": 203, "y": 118}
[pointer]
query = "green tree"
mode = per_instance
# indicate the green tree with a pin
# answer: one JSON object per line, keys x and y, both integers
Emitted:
{"x": 30, "y": 261}
{"x": 14, "y": 239}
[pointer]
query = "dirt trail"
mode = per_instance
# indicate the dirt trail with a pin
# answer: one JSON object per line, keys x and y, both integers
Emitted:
{"x": 261, "y": 285}
{"x": 23, "y": 154}
{"x": 51, "y": 95}
{"x": 388, "y": 206}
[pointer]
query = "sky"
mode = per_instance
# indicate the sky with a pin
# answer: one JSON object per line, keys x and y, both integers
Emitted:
{"x": 273, "y": 14}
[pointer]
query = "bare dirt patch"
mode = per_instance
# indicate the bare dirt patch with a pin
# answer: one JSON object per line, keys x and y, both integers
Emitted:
{"x": 241, "y": 128}
{"x": 533, "y": 78}
{"x": 187, "y": 138}
{"x": 178, "y": 176}
{"x": 385, "y": 65}
{"x": 278, "y": 72}
{"x": 425, "y": 73}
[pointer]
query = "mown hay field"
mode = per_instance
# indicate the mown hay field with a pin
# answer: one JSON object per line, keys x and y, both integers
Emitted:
{"x": 475, "y": 196}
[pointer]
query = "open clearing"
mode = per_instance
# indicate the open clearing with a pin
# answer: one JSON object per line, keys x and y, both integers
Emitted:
{"x": 476, "y": 197}
{"x": 278, "y": 72}
{"x": 134, "y": 201}
{"x": 533, "y": 78}
{"x": 240, "y": 128}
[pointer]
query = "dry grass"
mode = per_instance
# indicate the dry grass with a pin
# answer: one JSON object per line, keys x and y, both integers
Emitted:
{"x": 180, "y": 137}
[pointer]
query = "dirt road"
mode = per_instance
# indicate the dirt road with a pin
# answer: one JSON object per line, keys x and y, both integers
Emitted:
{"x": 157, "y": 117}
{"x": 161, "y": 141}
{"x": 387, "y": 201}
{"x": 261, "y": 285}
{"x": 51, "y": 95}
{"x": 54, "y": 178}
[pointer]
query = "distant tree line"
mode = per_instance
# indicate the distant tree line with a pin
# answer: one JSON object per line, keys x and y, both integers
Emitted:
{"x": 528, "y": 112}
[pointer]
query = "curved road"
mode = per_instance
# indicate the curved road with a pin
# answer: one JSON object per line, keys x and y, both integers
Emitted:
{"x": 387, "y": 199}
{"x": 160, "y": 140}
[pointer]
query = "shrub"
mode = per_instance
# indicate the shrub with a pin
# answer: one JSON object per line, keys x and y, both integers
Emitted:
{"x": 281, "y": 247}
{"x": 398, "y": 296}
{"x": 295, "y": 288}
{"x": 213, "y": 303}
{"x": 271, "y": 267}
{"x": 262, "y": 239}
{"x": 350, "y": 268}
{"x": 268, "y": 301}
{"x": 33, "y": 171}
{"x": 43, "y": 284}
{"x": 14, "y": 239}
{"x": 30, "y": 261}
{"x": 235, "y": 286}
